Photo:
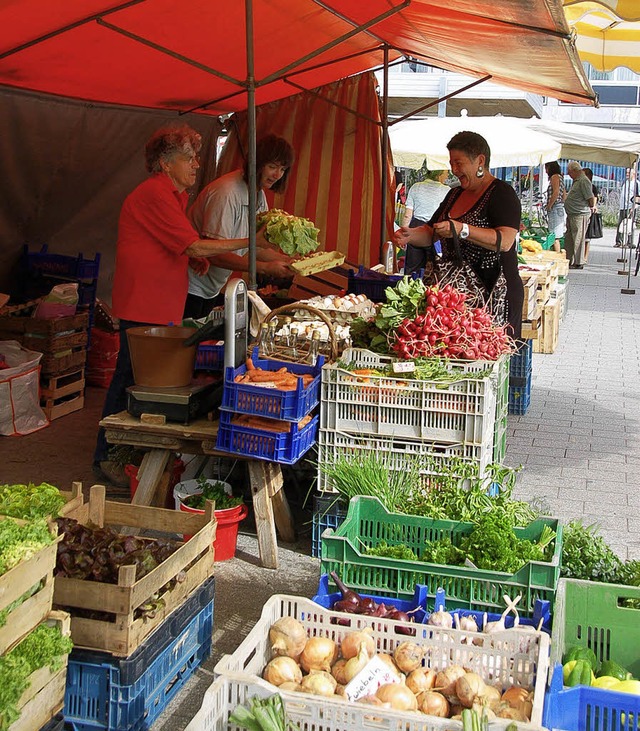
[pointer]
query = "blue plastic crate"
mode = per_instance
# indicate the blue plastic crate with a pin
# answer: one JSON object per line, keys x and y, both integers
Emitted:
{"x": 583, "y": 708}
{"x": 244, "y": 398}
{"x": 97, "y": 698}
{"x": 60, "y": 265}
{"x": 210, "y": 356}
{"x": 55, "y": 724}
{"x": 521, "y": 363}
{"x": 520, "y": 398}
{"x": 327, "y": 513}
{"x": 371, "y": 284}
{"x": 286, "y": 448}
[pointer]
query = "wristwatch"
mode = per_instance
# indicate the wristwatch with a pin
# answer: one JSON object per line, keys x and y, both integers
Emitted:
{"x": 464, "y": 231}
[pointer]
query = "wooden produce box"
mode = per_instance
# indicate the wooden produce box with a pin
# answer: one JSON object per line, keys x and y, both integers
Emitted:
{"x": 73, "y": 499}
{"x": 559, "y": 258}
{"x": 531, "y": 327}
{"x": 331, "y": 281}
{"x": 194, "y": 559}
{"x": 18, "y": 581}
{"x": 62, "y": 394}
{"x": 547, "y": 340}
{"x": 45, "y": 330}
{"x": 530, "y": 282}
{"x": 45, "y": 695}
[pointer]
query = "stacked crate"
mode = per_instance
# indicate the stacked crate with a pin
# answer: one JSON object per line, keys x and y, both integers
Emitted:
{"x": 126, "y": 668}
{"x": 520, "y": 371}
{"x": 284, "y": 428}
{"x": 408, "y": 420}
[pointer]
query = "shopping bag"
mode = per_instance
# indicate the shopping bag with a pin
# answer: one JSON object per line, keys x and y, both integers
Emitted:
{"x": 20, "y": 411}
{"x": 594, "y": 229}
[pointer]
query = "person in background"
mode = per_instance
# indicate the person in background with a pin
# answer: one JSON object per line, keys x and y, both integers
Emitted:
{"x": 556, "y": 193}
{"x": 422, "y": 202}
{"x": 485, "y": 213}
{"x": 579, "y": 204}
{"x": 156, "y": 244}
{"x": 589, "y": 173}
{"x": 221, "y": 211}
{"x": 628, "y": 190}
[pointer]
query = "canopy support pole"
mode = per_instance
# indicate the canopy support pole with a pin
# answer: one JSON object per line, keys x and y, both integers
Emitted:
{"x": 251, "y": 144}
{"x": 628, "y": 289}
{"x": 384, "y": 185}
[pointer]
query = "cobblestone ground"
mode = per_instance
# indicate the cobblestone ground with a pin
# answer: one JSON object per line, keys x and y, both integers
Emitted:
{"x": 579, "y": 442}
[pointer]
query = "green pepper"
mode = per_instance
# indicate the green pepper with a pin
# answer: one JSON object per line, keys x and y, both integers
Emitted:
{"x": 581, "y": 653}
{"x": 577, "y": 672}
{"x": 614, "y": 670}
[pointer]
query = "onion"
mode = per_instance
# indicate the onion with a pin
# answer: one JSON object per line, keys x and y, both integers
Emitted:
{"x": 290, "y": 686}
{"x": 433, "y": 703}
{"x": 398, "y": 695}
{"x": 440, "y": 619}
{"x": 420, "y": 680}
{"x": 491, "y": 696}
{"x": 319, "y": 654}
{"x": 281, "y": 670}
{"x": 388, "y": 660}
{"x": 350, "y": 645}
{"x": 288, "y": 637}
{"x": 468, "y": 688}
{"x": 482, "y": 709}
{"x": 337, "y": 670}
{"x": 520, "y": 699}
{"x": 446, "y": 680}
{"x": 504, "y": 710}
{"x": 408, "y": 656}
{"x": 355, "y": 664}
{"x": 318, "y": 682}
{"x": 466, "y": 624}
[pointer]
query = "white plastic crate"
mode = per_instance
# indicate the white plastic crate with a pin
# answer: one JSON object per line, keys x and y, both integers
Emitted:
{"x": 513, "y": 656}
{"x": 430, "y": 410}
{"x": 399, "y": 454}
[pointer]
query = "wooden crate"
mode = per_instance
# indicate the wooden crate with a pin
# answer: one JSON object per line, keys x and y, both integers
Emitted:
{"x": 73, "y": 499}
{"x": 531, "y": 328}
{"x": 53, "y": 365}
{"x": 18, "y": 581}
{"x": 530, "y": 282}
{"x": 195, "y": 558}
{"x": 44, "y": 327}
{"x": 547, "y": 340}
{"x": 559, "y": 258}
{"x": 62, "y": 394}
{"x": 45, "y": 695}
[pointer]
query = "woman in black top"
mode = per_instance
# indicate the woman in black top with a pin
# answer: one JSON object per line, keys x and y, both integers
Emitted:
{"x": 485, "y": 215}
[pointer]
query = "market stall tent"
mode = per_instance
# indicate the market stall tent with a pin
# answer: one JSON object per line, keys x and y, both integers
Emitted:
{"x": 415, "y": 142}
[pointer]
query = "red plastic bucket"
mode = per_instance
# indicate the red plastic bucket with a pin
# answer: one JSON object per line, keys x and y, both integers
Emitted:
{"x": 131, "y": 471}
{"x": 228, "y": 521}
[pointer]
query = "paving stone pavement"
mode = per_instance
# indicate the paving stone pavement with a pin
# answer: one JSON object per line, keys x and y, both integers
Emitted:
{"x": 579, "y": 443}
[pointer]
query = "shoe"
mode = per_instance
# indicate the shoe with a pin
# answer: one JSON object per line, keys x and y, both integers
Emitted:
{"x": 576, "y": 266}
{"x": 111, "y": 471}
{"x": 632, "y": 246}
{"x": 617, "y": 246}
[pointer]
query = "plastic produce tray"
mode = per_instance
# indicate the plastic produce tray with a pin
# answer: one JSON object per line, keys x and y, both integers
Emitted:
{"x": 60, "y": 265}
{"x": 368, "y": 524}
{"x": 327, "y": 513}
{"x": 285, "y": 448}
{"x": 463, "y": 411}
{"x": 588, "y": 614}
{"x": 210, "y": 356}
{"x": 502, "y": 411}
{"x": 400, "y": 453}
{"x": 244, "y": 398}
{"x": 128, "y": 694}
{"x": 502, "y": 659}
{"x": 520, "y": 398}
{"x": 370, "y": 283}
{"x": 521, "y": 364}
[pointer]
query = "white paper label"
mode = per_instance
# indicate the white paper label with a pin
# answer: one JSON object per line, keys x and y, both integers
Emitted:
{"x": 404, "y": 366}
{"x": 374, "y": 674}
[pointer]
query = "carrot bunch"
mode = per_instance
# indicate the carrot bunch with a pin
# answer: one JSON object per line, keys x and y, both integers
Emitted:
{"x": 282, "y": 379}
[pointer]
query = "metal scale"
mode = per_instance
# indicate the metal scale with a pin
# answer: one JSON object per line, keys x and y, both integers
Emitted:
{"x": 204, "y": 393}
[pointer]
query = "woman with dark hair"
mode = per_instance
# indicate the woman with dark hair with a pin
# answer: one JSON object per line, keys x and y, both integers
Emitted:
{"x": 476, "y": 223}
{"x": 221, "y": 211}
{"x": 556, "y": 193}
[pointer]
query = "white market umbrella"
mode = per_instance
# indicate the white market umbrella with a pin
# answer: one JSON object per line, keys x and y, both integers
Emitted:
{"x": 510, "y": 140}
{"x": 607, "y": 33}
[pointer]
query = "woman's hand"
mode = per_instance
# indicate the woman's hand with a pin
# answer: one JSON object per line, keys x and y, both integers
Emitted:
{"x": 442, "y": 229}
{"x": 419, "y": 236}
{"x": 200, "y": 265}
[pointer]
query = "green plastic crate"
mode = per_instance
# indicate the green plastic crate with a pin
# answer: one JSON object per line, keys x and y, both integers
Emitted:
{"x": 587, "y": 613}
{"x": 502, "y": 411}
{"x": 368, "y": 523}
{"x": 547, "y": 240}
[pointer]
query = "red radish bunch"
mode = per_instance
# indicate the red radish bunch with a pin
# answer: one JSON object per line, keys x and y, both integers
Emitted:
{"x": 450, "y": 329}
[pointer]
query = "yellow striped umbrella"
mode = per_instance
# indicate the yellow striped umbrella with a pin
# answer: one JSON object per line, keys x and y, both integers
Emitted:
{"x": 607, "y": 32}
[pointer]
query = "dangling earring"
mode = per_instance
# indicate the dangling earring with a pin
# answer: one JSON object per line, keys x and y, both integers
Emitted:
{"x": 480, "y": 172}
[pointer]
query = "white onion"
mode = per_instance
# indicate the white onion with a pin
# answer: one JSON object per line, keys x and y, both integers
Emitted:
{"x": 337, "y": 670}
{"x": 446, "y": 680}
{"x": 421, "y": 679}
{"x": 433, "y": 703}
{"x": 352, "y": 642}
{"x": 440, "y": 619}
{"x": 288, "y": 637}
{"x": 398, "y": 695}
{"x": 408, "y": 656}
{"x": 319, "y": 654}
{"x": 468, "y": 688}
{"x": 281, "y": 670}
{"x": 318, "y": 682}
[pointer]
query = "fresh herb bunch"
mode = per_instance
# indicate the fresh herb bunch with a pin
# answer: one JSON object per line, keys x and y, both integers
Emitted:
{"x": 265, "y": 714}
{"x": 366, "y": 334}
{"x": 215, "y": 492}
{"x": 20, "y": 542}
{"x": 43, "y": 647}
{"x": 406, "y": 299}
{"x": 390, "y": 551}
{"x": 585, "y": 555}
{"x": 30, "y": 501}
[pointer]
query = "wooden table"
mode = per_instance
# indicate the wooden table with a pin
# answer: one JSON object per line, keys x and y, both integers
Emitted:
{"x": 270, "y": 504}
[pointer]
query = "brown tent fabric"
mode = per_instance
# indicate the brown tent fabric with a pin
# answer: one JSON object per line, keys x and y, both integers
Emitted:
{"x": 336, "y": 178}
{"x": 67, "y": 167}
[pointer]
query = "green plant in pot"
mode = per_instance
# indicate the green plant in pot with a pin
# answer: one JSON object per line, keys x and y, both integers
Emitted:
{"x": 213, "y": 490}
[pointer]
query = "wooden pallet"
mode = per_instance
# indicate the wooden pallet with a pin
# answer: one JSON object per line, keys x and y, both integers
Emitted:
{"x": 45, "y": 695}
{"x": 194, "y": 559}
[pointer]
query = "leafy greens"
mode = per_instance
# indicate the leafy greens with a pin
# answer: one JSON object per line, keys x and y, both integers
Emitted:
{"x": 293, "y": 234}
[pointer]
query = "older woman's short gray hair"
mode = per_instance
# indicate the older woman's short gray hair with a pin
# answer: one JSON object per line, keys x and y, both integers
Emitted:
{"x": 574, "y": 166}
{"x": 168, "y": 141}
